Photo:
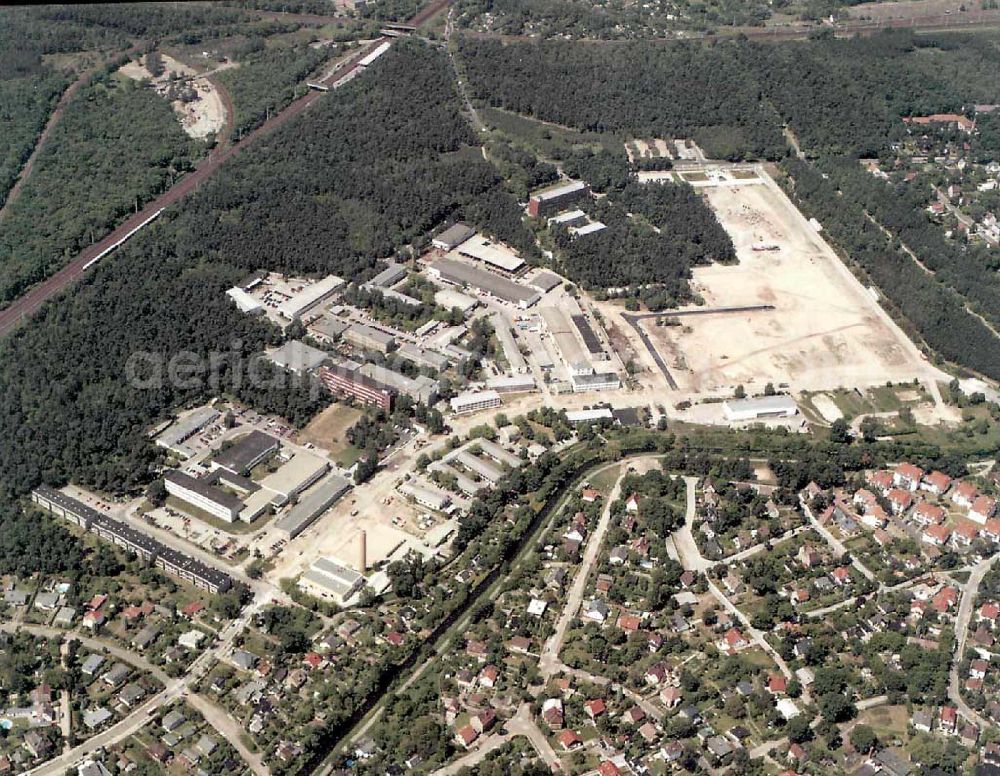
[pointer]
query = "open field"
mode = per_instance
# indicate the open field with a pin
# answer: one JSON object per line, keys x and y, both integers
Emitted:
{"x": 328, "y": 432}
{"x": 825, "y": 331}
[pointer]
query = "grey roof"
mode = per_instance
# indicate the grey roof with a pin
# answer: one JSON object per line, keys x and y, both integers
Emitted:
{"x": 465, "y": 274}
{"x": 242, "y": 455}
{"x": 297, "y": 356}
{"x": 173, "y": 720}
{"x": 243, "y": 659}
{"x": 92, "y": 663}
{"x": 546, "y": 281}
{"x": 391, "y": 275}
{"x": 319, "y": 498}
{"x": 455, "y": 234}
{"x": 203, "y": 488}
{"x": 96, "y": 717}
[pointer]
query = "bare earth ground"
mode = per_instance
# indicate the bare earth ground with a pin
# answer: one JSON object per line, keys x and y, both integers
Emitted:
{"x": 827, "y": 407}
{"x": 825, "y": 331}
{"x": 201, "y": 117}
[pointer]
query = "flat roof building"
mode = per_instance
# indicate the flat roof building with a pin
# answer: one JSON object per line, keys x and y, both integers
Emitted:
{"x": 368, "y": 338}
{"x": 327, "y": 578}
{"x": 545, "y": 281}
{"x": 298, "y": 357}
{"x": 453, "y": 236}
{"x": 512, "y": 384}
{"x": 489, "y": 472}
{"x": 561, "y": 331}
{"x": 294, "y": 476}
{"x": 343, "y": 381}
{"x": 310, "y": 296}
{"x": 569, "y": 218}
{"x": 496, "y": 256}
{"x": 551, "y": 200}
{"x": 760, "y": 407}
{"x": 181, "y": 430}
{"x": 449, "y": 298}
{"x": 426, "y": 495}
{"x": 473, "y": 401}
{"x": 246, "y": 303}
{"x": 123, "y": 535}
{"x": 390, "y": 276}
{"x": 591, "y": 228}
{"x": 420, "y": 388}
{"x": 316, "y": 502}
{"x": 461, "y": 274}
{"x": 601, "y": 381}
{"x": 589, "y": 416}
{"x": 499, "y": 454}
{"x": 203, "y": 496}
{"x": 590, "y": 340}
{"x": 328, "y": 328}
{"x": 511, "y": 352}
{"x": 423, "y": 357}
{"x": 464, "y": 483}
{"x": 246, "y": 452}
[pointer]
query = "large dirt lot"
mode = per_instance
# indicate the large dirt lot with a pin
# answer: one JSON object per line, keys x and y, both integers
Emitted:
{"x": 825, "y": 331}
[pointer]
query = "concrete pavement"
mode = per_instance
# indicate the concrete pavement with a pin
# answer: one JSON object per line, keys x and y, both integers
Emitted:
{"x": 962, "y": 620}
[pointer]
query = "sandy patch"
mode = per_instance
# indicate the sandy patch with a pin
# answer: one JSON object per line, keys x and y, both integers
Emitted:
{"x": 201, "y": 112}
{"x": 824, "y": 332}
{"x": 827, "y": 407}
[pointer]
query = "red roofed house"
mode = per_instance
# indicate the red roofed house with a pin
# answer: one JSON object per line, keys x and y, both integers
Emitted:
{"x": 569, "y": 740}
{"x": 488, "y": 676}
{"x": 841, "y": 576}
{"x": 608, "y": 768}
{"x": 982, "y": 509}
{"x": 989, "y": 612}
{"x": 936, "y": 482}
{"x": 733, "y": 641}
{"x": 192, "y": 609}
{"x": 900, "y": 500}
{"x": 629, "y": 623}
{"x": 880, "y": 480}
{"x": 590, "y": 495}
{"x": 777, "y": 684}
{"x": 945, "y": 599}
{"x": 991, "y": 530}
{"x": 907, "y": 476}
{"x": 964, "y": 494}
{"x": 965, "y": 533}
{"x": 466, "y": 736}
{"x": 594, "y": 708}
{"x": 948, "y": 719}
{"x": 671, "y": 697}
{"x": 936, "y": 535}
{"x": 928, "y": 514}
{"x": 964, "y": 123}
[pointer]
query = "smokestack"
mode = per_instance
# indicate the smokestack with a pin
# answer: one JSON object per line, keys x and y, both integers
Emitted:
{"x": 362, "y": 552}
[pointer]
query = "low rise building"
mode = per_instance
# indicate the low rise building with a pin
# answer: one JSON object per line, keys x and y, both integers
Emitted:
{"x": 329, "y": 579}
{"x": 426, "y": 495}
{"x": 245, "y": 453}
{"x": 203, "y": 496}
{"x": 298, "y": 357}
{"x": 368, "y": 338}
{"x": 760, "y": 407}
{"x": 324, "y": 495}
{"x": 474, "y": 401}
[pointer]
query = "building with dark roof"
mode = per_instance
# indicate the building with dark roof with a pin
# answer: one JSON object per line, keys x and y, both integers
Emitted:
{"x": 203, "y": 495}
{"x": 245, "y": 453}
{"x": 150, "y": 550}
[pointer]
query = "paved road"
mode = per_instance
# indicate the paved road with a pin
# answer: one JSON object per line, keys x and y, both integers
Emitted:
{"x": 174, "y": 689}
{"x": 33, "y": 299}
{"x": 549, "y": 663}
{"x": 965, "y": 609}
{"x": 833, "y": 541}
{"x": 683, "y": 538}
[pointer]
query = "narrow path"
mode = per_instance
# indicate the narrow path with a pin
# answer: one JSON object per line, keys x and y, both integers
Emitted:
{"x": 962, "y": 620}
{"x": 834, "y": 542}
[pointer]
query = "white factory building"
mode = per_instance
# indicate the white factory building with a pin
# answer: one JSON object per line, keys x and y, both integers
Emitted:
{"x": 760, "y": 407}
{"x": 310, "y": 296}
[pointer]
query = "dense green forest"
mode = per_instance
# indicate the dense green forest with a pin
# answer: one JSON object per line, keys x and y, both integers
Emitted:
{"x": 368, "y": 168}
{"x": 838, "y": 95}
{"x": 25, "y": 105}
{"x": 936, "y": 313}
{"x": 648, "y": 90}
{"x": 116, "y": 147}
{"x": 267, "y": 81}
{"x": 670, "y": 229}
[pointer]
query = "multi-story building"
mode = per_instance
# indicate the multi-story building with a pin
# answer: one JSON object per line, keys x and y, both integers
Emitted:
{"x": 545, "y": 203}
{"x": 203, "y": 495}
{"x": 472, "y": 401}
{"x": 343, "y": 381}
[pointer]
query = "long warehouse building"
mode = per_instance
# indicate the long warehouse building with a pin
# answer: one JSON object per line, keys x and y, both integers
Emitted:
{"x": 150, "y": 550}
{"x": 460, "y": 274}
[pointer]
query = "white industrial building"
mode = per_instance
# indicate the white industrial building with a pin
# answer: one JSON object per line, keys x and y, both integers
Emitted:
{"x": 328, "y": 579}
{"x": 760, "y": 407}
{"x": 244, "y": 301}
{"x": 511, "y": 352}
{"x": 310, "y": 296}
{"x": 426, "y": 495}
{"x": 512, "y": 384}
{"x": 174, "y": 437}
{"x": 312, "y": 505}
{"x": 453, "y": 236}
{"x": 473, "y": 401}
{"x": 589, "y": 416}
{"x": 494, "y": 255}
{"x": 298, "y": 357}
{"x": 203, "y": 496}
{"x": 295, "y": 475}
{"x": 601, "y": 381}
{"x": 450, "y": 298}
